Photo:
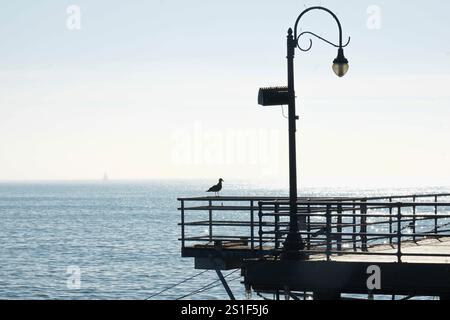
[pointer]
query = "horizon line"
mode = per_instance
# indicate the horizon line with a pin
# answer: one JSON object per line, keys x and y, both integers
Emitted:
{"x": 279, "y": 183}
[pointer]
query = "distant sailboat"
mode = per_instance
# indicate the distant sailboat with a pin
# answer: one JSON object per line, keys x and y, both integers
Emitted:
{"x": 105, "y": 177}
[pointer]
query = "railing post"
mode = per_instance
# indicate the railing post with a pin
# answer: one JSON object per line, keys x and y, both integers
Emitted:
{"x": 399, "y": 234}
{"x": 363, "y": 227}
{"x": 308, "y": 228}
{"x": 435, "y": 215}
{"x": 414, "y": 219}
{"x": 328, "y": 232}
{"x": 277, "y": 225}
{"x": 252, "y": 226}
{"x": 390, "y": 223}
{"x": 210, "y": 222}
{"x": 260, "y": 231}
{"x": 354, "y": 226}
{"x": 339, "y": 227}
{"x": 182, "y": 225}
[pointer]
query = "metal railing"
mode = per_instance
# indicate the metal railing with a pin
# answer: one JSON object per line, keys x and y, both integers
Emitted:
{"x": 330, "y": 226}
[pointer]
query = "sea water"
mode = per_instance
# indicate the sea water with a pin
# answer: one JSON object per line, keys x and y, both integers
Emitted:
{"x": 112, "y": 240}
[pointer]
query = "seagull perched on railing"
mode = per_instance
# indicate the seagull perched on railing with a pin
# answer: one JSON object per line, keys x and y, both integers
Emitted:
{"x": 216, "y": 189}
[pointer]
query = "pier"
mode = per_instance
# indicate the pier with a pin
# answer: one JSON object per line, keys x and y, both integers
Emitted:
{"x": 405, "y": 240}
{"x": 321, "y": 247}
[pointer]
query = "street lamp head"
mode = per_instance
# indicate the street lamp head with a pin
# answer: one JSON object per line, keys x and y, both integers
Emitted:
{"x": 340, "y": 64}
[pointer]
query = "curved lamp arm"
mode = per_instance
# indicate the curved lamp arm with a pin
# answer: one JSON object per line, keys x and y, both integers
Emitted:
{"x": 296, "y": 36}
{"x": 319, "y": 37}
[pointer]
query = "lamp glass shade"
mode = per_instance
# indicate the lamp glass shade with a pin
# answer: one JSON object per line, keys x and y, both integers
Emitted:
{"x": 340, "y": 64}
{"x": 340, "y": 68}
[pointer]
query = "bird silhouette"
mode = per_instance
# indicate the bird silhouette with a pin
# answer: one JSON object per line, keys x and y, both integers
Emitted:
{"x": 216, "y": 188}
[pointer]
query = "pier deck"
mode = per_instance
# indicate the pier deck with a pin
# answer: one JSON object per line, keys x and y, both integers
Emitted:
{"x": 438, "y": 246}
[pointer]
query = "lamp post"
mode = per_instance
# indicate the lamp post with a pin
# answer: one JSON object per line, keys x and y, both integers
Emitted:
{"x": 294, "y": 244}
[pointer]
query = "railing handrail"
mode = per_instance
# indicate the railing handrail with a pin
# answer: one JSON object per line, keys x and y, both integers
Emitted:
{"x": 334, "y": 204}
{"x": 360, "y": 204}
{"x": 300, "y": 198}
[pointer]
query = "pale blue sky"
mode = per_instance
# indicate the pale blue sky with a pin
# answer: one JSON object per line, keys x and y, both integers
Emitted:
{"x": 144, "y": 79}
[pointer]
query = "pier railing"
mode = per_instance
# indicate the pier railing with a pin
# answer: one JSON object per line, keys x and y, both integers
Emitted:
{"x": 330, "y": 227}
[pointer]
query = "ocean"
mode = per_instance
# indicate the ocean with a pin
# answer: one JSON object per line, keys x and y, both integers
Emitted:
{"x": 111, "y": 240}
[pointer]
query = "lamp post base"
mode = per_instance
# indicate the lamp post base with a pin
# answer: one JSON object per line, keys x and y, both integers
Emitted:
{"x": 293, "y": 247}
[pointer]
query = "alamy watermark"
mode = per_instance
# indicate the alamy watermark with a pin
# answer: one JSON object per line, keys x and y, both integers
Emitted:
{"x": 374, "y": 18}
{"x": 374, "y": 280}
{"x": 73, "y": 21}
{"x": 73, "y": 281}
{"x": 256, "y": 148}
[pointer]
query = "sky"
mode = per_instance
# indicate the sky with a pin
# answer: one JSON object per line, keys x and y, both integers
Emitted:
{"x": 168, "y": 89}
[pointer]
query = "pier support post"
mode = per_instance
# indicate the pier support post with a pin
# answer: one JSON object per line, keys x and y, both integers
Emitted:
{"x": 225, "y": 284}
